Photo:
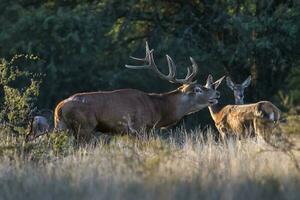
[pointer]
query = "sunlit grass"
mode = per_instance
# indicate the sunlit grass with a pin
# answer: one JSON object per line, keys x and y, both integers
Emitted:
{"x": 179, "y": 165}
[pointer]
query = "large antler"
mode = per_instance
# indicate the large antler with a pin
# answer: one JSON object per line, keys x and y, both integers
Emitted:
{"x": 150, "y": 64}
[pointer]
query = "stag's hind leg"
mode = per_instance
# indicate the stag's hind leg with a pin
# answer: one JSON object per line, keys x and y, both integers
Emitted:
{"x": 83, "y": 134}
{"x": 128, "y": 126}
{"x": 83, "y": 129}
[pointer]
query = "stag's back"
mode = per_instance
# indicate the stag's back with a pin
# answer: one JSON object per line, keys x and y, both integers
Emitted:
{"x": 106, "y": 109}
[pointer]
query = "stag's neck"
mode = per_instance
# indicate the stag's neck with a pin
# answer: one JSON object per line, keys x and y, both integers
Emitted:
{"x": 170, "y": 107}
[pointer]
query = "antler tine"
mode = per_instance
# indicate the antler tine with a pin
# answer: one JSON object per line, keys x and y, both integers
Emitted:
{"x": 146, "y": 56}
{"x": 189, "y": 76}
{"x": 150, "y": 64}
{"x": 172, "y": 68}
{"x": 194, "y": 70}
{"x": 188, "y": 73}
{"x": 171, "y": 77}
{"x": 146, "y": 59}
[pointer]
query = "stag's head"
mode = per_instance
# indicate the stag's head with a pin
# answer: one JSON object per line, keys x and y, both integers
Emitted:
{"x": 198, "y": 96}
{"x": 195, "y": 95}
{"x": 238, "y": 89}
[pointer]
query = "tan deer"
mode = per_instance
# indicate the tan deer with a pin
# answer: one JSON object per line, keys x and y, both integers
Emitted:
{"x": 257, "y": 119}
{"x": 130, "y": 110}
{"x": 238, "y": 89}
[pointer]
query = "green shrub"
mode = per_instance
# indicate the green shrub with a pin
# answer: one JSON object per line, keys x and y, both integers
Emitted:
{"x": 20, "y": 90}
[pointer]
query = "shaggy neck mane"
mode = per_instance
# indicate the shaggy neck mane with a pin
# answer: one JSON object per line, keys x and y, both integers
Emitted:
{"x": 169, "y": 106}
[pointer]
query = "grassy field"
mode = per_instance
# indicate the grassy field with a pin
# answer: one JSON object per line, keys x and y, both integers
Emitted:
{"x": 180, "y": 165}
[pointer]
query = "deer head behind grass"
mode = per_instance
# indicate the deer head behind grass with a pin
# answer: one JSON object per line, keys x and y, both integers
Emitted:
{"x": 38, "y": 126}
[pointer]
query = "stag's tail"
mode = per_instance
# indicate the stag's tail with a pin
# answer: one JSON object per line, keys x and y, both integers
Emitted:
{"x": 58, "y": 118}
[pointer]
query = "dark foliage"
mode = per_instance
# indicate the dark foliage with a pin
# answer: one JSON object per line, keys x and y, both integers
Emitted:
{"x": 84, "y": 45}
{"x": 19, "y": 92}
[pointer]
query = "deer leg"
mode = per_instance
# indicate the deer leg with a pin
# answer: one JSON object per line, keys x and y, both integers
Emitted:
{"x": 83, "y": 132}
{"x": 83, "y": 135}
{"x": 261, "y": 129}
{"x": 224, "y": 138}
{"x": 222, "y": 132}
{"x": 268, "y": 127}
{"x": 127, "y": 126}
{"x": 125, "y": 129}
{"x": 257, "y": 129}
{"x": 248, "y": 130}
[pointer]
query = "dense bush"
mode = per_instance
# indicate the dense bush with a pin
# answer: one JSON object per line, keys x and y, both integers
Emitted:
{"x": 293, "y": 87}
{"x": 20, "y": 90}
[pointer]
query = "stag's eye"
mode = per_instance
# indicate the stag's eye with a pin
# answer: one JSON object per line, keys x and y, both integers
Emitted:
{"x": 198, "y": 90}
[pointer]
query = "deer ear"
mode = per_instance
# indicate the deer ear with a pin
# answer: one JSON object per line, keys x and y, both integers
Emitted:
{"x": 218, "y": 82}
{"x": 247, "y": 82}
{"x": 209, "y": 81}
{"x": 229, "y": 82}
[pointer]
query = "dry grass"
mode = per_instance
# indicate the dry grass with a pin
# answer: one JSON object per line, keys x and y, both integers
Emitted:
{"x": 182, "y": 166}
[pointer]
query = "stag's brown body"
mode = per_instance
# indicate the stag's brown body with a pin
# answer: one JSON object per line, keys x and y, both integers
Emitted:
{"x": 130, "y": 110}
{"x": 122, "y": 111}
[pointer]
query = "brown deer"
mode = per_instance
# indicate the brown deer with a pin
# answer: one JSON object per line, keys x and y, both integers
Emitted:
{"x": 130, "y": 110}
{"x": 257, "y": 119}
{"x": 238, "y": 89}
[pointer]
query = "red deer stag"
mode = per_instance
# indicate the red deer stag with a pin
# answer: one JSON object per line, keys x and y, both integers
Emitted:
{"x": 257, "y": 119}
{"x": 130, "y": 110}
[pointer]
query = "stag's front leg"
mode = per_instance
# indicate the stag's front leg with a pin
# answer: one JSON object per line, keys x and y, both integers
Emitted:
{"x": 84, "y": 131}
{"x": 126, "y": 126}
{"x": 83, "y": 135}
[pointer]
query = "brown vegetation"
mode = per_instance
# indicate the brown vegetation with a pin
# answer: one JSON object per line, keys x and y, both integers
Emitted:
{"x": 185, "y": 165}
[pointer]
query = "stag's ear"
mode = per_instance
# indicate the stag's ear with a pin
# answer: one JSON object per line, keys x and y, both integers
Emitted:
{"x": 218, "y": 82}
{"x": 209, "y": 81}
{"x": 247, "y": 82}
{"x": 229, "y": 82}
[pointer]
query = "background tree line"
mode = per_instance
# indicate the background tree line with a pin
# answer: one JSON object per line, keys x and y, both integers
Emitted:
{"x": 83, "y": 45}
